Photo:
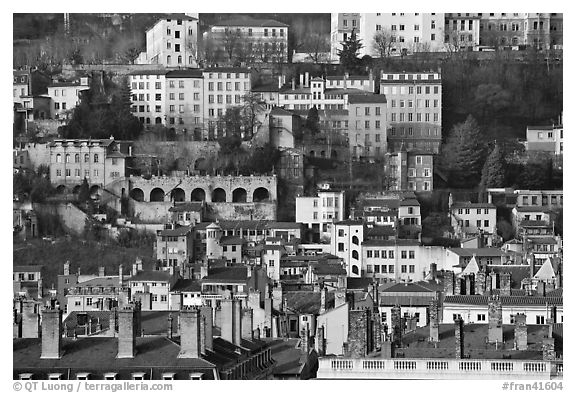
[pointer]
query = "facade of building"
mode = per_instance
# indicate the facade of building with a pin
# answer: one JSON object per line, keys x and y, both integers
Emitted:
{"x": 549, "y": 139}
{"x": 148, "y": 90}
{"x": 409, "y": 170}
{"x": 172, "y": 42}
{"x": 461, "y": 31}
{"x": 320, "y": 212}
{"x": 473, "y": 218}
{"x": 397, "y": 260}
{"x": 100, "y": 161}
{"x": 175, "y": 247}
{"x": 249, "y": 40}
{"x": 346, "y": 243}
{"x": 66, "y": 96}
{"x": 414, "y": 112}
{"x": 184, "y": 101}
{"x": 367, "y": 122}
{"x": 341, "y": 25}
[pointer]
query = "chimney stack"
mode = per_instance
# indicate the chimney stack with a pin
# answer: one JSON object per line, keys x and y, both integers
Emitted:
{"x": 293, "y": 83}
{"x": 170, "y": 326}
{"x": 67, "y": 268}
{"x": 190, "y": 346}
{"x": 51, "y": 334}
{"x": 237, "y": 326}
{"x": 433, "y": 271}
{"x": 134, "y": 269}
{"x": 520, "y": 332}
{"x": 339, "y": 297}
{"x": 480, "y": 282}
{"x": 231, "y": 319}
{"x": 305, "y": 340}
{"x": 323, "y": 293}
{"x": 101, "y": 271}
{"x": 302, "y": 80}
{"x": 548, "y": 349}
{"x": 307, "y": 79}
{"x": 206, "y": 312}
{"x": 257, "y": 333}
{"x": 127, "y": 332}
{"x": 40, "y": 289}
{"x": 495, "y": 319}
{"x": 396, "y": 319}
{"x": 505, "y": 289}
{"x": 346, "y": 75}
{"x": 448, "y": 283}
{"x": 113, "y": 322}
{"x": 248, "y": 324}
{"x": 139, "y": 264}
{"x": 279, "y": 81}
{"x": 434, "y": 322}
{"x": 320, "y": 341}
{"x": 541, "y": 288}
{"x": 459, "y": 336}
{"x": 120, "y": 275}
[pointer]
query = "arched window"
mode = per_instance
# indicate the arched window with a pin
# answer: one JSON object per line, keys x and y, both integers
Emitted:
{"x": 86, "y": 157}
{"x": 77, "y": 158}
{"x": 354, "y": 269}
{"x": 67, "y": 158}
{"x": 58, "y": 157}
{"x": 355, "y": 254}
{"x": 168, "y": 59}
{"x": 95, "y": 157}
{"x": 355, "y": 240}
{"x": 190, "y": 61}
{"x": 179, "y": 59}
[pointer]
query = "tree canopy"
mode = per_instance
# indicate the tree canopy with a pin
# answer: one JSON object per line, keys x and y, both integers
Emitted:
{"x": 349, "y": 53}
{"x": 494, "y": 170}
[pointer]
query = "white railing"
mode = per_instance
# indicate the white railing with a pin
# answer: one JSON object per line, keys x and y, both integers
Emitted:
{"x": 377, "y": 368}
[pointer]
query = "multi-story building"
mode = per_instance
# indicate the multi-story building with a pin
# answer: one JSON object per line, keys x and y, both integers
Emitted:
{"x": 341, "y": 26}
{"x": 100, "y": 161}
{"x": 397, "y": 260}
{"x": 318, "y": 213}
{"x": 461, "y": 31}
{"x": 175, "y": 247}
{"x": 346, "y": 243}
{"x": 409, "y": 32}
{"x": 414, "y": 112}
{"x": 21, "y": 85}
{"x": 152, "y": 288}
{"x": 549, "y": 139}
{"x": 66, "y": 96}
{"x": 283, "y": 125}
{"x": 367, "y": 125}
{"x": 249, "y": 40}
{"x": 149, "y": 96}
{"x": 409, "y": 170}
{"x": 172, "y": 42}
{"x": 473, "y": 218}
{"x": 184, "y": 101}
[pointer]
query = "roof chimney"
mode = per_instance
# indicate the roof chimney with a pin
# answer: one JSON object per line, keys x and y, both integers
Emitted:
{"x": 305, "y": 340}
{"x": 346, "y": 75}
{"x": 302, "y": 80}
{"x": 120, "y": 275}
{"x": 307, "y": 79}
{"x": 434, "y": 322}
{"x": 51, "y": 334}
{"x": 231, "y": 320}
{"x": 495, "y": 319}
{"x": 139, "y": 264}
{"x": 134, "y": 269}
{"x": 127, "y": 332}
{"x": 279, "y": 81}
{"x": 190, "y": 333}
{"x": 101, "y": 271}
{"x": 520, "y": 332}
{"x": 67, "y": 268}
{"x": 323, "y": 292}
{"x": 293, "y": 83}
{"x": 248, "y": 324}
{"x": 206, "y": 312}
{"x": 459, "y": 336}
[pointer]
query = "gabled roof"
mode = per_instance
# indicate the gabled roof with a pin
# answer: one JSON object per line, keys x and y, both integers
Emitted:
{"x": 409, "y": 202}
{"x": 329, "y": 269}
{"x": 151, "y": 275}
{"x": 355, "y": 283}
{"x": 535, "y": 223}
{"x": 27, "y": 268}
{"x": 306, "y": 302}
{"x": 532, "y": 209}
{"x": 479, "y": 252}
{"x": 472, "y": 267}
{"x": 367, "y": 99}
{"x": 187, "y": 285}
{"x": 408, "y": 287}
{"x": 506, "y": 300}
{"x": 179, "y": 231}
{"x": 546, "y": 272}
{"x": 470, "y": 205}
{"x": 227, "y": 274}
{"x": 185, "y": 73}
{"x": 388, "y": 243}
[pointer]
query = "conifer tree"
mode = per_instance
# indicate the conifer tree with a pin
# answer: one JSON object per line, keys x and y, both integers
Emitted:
{"x": 349, "y": 53}
{"x": 494, "y": 171}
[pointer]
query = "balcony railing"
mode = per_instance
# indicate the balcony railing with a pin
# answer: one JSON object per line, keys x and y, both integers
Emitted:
{"x": 374, "y": 368}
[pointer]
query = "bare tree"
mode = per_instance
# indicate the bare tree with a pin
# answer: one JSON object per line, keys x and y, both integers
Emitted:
{"x": 382, "y": 43}
{"x": 252, "y": 108}
{"x": 208, "y": 50}
{"x": 230, "y": 41}
{"x": 316, "y": 46}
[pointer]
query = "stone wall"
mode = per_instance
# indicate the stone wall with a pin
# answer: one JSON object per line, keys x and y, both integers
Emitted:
{"x": 151, "y": 212}
{"x": 241, "y": 211}
{"x": 38, "y": 154}
{"x": 358, "y": 333}
{"x": 73, "y": 219}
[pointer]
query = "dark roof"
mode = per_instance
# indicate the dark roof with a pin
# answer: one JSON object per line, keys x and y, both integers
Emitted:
{"x": 350, "y": 222}
{"x": 187, "y": 285}
{"x": 409, "y": 202}
{"x": 116, "y": 154}
{"x": 408, "y": 287}
{"x": 506, "y": 300}
{"x": 349, "y": 77}
{"x": 68, "y": 84}
{"x": 287, "y": 356}
{"x": 358, "y": 282}
{"x": 186, "y": 207}
{"x": 27, "y": 268}
{"x": 150, "y": 275}
{"x": 78, "y": 142}
{"x": 179, "y": 231}
{"x": 306, "y": 302}
{"x": 329, "y": 269}
{"x": 542, "y": 240}
{"x": 225, "y": 240}
{"x": 267, "y": 87}
{"x": 226, "y": 274}
{"x": 391, "y": 203}
{"x": 227, "y": 69}
{"x": 388, "y": 243}
{"x": 149, "y": 72}
{"x": 250, "y": 22}
{"x": 379, "y": 230}
{"x": 470, "y": 205}
{"x": 517, "y": 273}
{"x": 533, "y": 209}
{"x": 349, "y": 91}
{"x": 367, "y": 99}
{"x": 404, "y": 300}
{"x": 186, "y": 73}
{"x": 479, "y": 252}
{"x": 179, "y": 16}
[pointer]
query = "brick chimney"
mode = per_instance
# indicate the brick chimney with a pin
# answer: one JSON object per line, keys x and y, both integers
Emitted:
{"x": 541, "y": 288}
{"x": 520, "y": 332}
{"x": 51, "y": 334}
{"x": 40, "y": 289}
{"x": 237, "y": 327}
{"x": 302, "y": 84}
{"x": 434, "y": 322}
{"x": 113, "y": 322}
{"x": 376, "y": 331}
{"x": 548, "y": 349}
{"x": 358, "y": 333}
{"x": 190, "y": 332}
{"x": 67, "y": 268}
{"x": 339, "y": 297}
{"x": 101, "y": 271}
{"x": 30, "y": 319}
{"x": 396, "y": 329}
{"x": 231, "y": 320}
{"x": 459, "y": 336}
{"x": 305, "y": 340}
{"x": 433, "y": 271}
{"x": 170, "y": 326}
{"x": 323, "y": 293}
{"x": 134, "y": 269}
{"x": 320, "y": 341}
{"x": 495, "y": 334}
{"x": 248, "y": 324}
{"x": 448, "y": 283}
{"x": 458, "y": 285}
{"x": 505, "y": 289}
{"x": 127, "y": 332}
{"x": 206, "y": 312}
{"x": 120, "y": 275}
{"x": 480, "y": 282}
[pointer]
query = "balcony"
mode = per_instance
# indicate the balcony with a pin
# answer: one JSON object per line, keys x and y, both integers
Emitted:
{"x": 376, "y": 368}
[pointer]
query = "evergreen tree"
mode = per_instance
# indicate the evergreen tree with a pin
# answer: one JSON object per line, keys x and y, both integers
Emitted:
{"x": 494, "y": 171}
{"x": 463, "y": 154}
{"x": 313, "y": 120}
{"x": 349, "y": 53}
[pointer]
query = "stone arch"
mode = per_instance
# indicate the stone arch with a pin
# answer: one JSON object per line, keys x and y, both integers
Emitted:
{"x": 158, "y": 120}
{"x": 178, "y": 195}
{"x": 322, "y": 154}
{"x": 312, "y": 153}
{"x": 157, "y": 195}
{"x": 61, "y": 189}
{"x": 239, "y": 195}
{"x": 261, "y": 194}
{"x": 218, "y": 195}
{"x": 355, "y": 240}
{"x": 76, "y": 189}
{"x": 95, "y": 190}
{"x": 355, "y": 269}
{"x": 334, "y": 154}
{"x": 198, "y": 195}
{"x": 137, "y": 194}
{"x": 355, "y": 255}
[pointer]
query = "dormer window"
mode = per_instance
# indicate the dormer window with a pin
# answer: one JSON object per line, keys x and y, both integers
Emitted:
{"x": 82, "y": 376}
{"x": 110, "y": 376}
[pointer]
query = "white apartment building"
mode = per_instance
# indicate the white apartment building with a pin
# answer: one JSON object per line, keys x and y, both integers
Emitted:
{"x": 148, "y": 90}
{"x": 346, "y": 243}
{"x": 410, "y": 32}
{"x": 471, "y": 218}
{"x": 367, "y": 134}
{"x": 184, "y": 101}
{"x": 341, "y": 26}
{"x": 320, "y": 212}
{"x": 414, "y": 110}
{"x": 461, "y": 31}
{"x": 548, "y": 139}
{"x": 66, "y": 96}
{"x": 397, "y": 260}
{"x": 172, "y": 42}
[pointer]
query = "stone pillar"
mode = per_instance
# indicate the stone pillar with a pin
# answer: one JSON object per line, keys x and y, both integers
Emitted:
{"x": 459, "y": 337}
{"x": 396, "y": 328}
{"x": 434, "y": 322}
{"x": 358, "y": 332}
{"x": 480, "y": 283}
{"x": 51, "y": 334}
{"x": 520, "y": 332}
{"x": 448, "y": 283}
{"x": 495, "y": 334}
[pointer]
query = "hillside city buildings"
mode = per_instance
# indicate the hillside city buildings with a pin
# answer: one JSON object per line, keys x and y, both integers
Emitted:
{"x": 290, "y": 220}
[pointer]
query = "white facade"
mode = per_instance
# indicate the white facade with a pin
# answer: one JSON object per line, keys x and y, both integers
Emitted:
{"x": 536, "y": 314}
{"x": 149, "y": 97}
{"x": 398, "y": 260}
{"x": 159, "y": 292}
{"x": 472, "y": 218}
{"x": 321, "y": 211}
{"x": 172, "y": 42}
{"x": 65, "y": 96}
{"x": 346, "y": 243}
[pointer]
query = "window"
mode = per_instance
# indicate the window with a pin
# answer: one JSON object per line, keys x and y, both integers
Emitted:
{"x": 411, "y": 268}
{"x": 482, "y": 317}
{"x": 95, "y": 158}
{"x": 411, "y": 254}
{"x": 403, "y": 254}
{"x": 486, "y": 223}
{"x": 403, "y": 268}
{"x": 340, "y": 247}
{"x": 540, "y": 320}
